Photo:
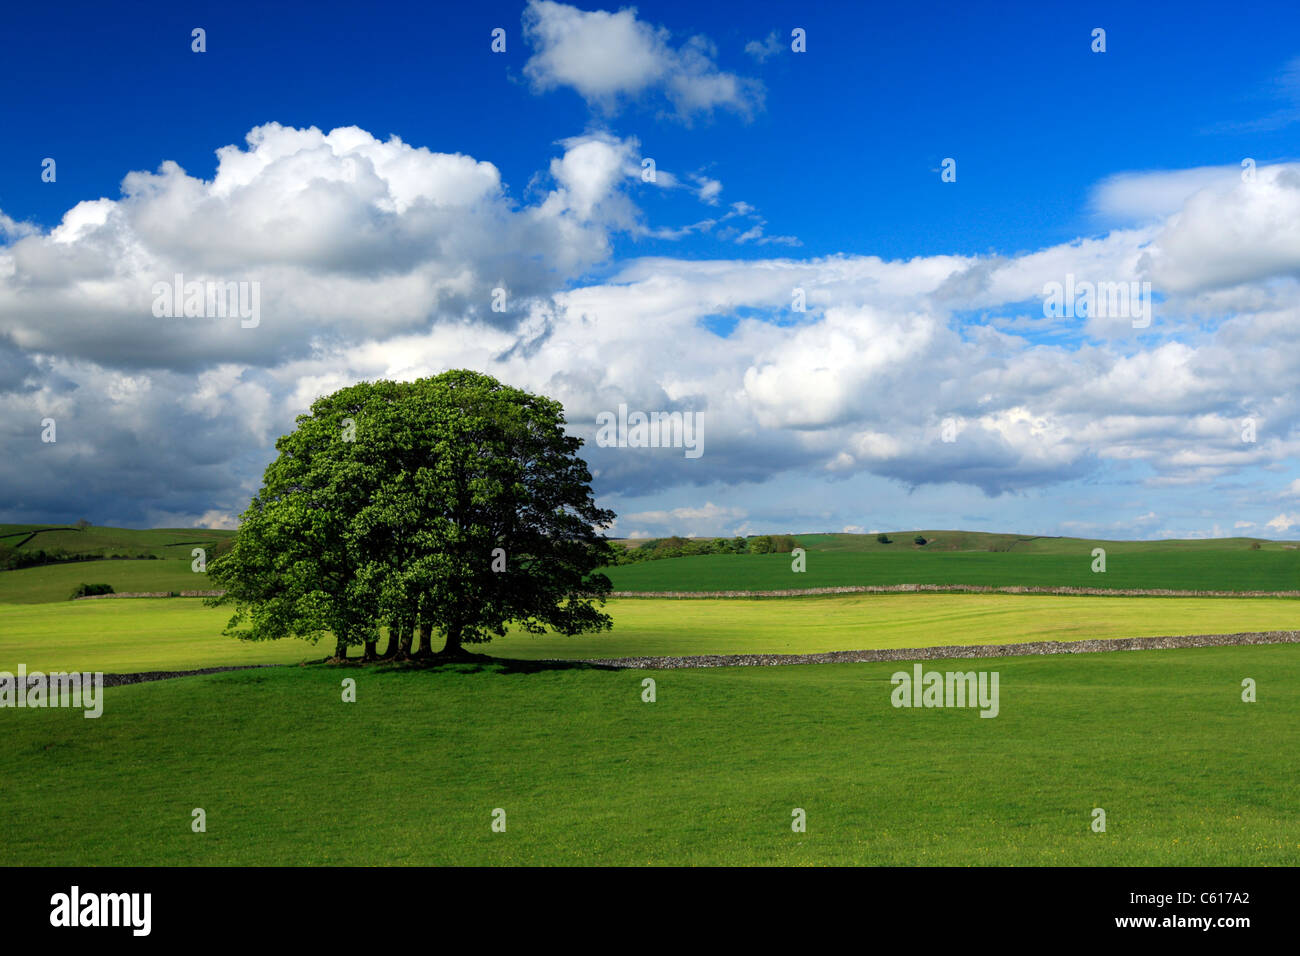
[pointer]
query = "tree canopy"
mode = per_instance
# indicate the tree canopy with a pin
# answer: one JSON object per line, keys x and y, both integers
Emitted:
{"x": 453, "y": 504}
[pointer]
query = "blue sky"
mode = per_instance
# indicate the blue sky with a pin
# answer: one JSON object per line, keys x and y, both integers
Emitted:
{"x": 776, "y": 169}
{"x": 843, "y": 156}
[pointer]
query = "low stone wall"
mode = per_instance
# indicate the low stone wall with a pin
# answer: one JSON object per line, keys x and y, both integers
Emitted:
{"x": 848, "y": 589}
{"x": 963, "y": 650}
{"x": 126, "y": 594}
{"x": 953, "y": 589}
{"x": 151, "y": 594}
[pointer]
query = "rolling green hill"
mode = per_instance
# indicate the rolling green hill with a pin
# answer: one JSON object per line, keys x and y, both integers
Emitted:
{"x": 128, "y": 559}
{"x": 1022, "y": 543}
{"x": 833, "y": 560}
{"x": 105, "y": 542}
{"x": 54, "y": 582}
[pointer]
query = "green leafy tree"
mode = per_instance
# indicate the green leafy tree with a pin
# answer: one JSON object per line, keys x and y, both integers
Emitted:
{"x": 783, "y": 543}
{"x": 294, "y": 567}
{"x": 495, "y": 512}
{"x": 453, "y": 504}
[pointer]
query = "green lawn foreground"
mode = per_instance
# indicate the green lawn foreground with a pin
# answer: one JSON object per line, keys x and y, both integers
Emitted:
{"x": 139, "y": 634}
{"x": 709, "y": 773}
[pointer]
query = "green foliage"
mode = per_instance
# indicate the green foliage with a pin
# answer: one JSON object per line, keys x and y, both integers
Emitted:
{"x": 86, "y": 590}
{"x": 675, "y": 547}
{"x": 883, "y": 538}
{"x": 919, "y": 539}
{"x": 453, "y": 502}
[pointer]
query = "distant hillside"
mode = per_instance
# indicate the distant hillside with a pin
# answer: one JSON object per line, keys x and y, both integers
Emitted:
{"x": 46, "y": 562}
{"x": 30, "y": 545}
{"x": 1002, "y": 542}
{"x": 1231, "y": 567}
{"x": 833, "y": 560}
{"x": 1026, "y": 543}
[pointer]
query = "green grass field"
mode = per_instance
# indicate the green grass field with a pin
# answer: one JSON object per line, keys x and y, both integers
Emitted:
{"x": 55, "y": 582}
{"x": 833, "y": 560}
{"x": 1179, "y": 570}
{"x": 1023, "y": 543}
{"x": 587, "y": 773}
{"x": 161, "y": 542}
{"x": 1190, "y": 569}
{"x": 127, "y": 635}
{"x": 708, "y": 774}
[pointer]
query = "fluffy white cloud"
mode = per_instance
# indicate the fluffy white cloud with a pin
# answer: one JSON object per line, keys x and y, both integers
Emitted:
{"x": 390, "y": 256}
{"x": 1284, "y": 522}
{"x": 345, "y": 235}
{"x": 1154, "y": 195}
{"x": 762, "y": 50}
{"x": 1237, "y": 233}
{"x": 610, "y": 57}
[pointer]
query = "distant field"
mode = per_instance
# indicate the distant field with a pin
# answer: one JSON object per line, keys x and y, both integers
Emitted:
{"x": 55, "y": 582}
{"x": 833, "y": 560}
{"x": 162, "y": 542}
{"x": 180, "y": 633}
{"x": 708, "y": 774}
{"x": 1023, "y": 543}
{"x": 1192, "y": 569}
{"x": 1183, "y": 569}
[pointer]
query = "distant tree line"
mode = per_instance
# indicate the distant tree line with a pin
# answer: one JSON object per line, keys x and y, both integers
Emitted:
{"x": 675, "y": 547}
{"x": 12, "y": 559}
{"x": 90, "y": 590}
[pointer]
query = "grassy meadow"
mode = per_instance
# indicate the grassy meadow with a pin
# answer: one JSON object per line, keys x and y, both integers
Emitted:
{"x": 127, "y": 635}
{"x": 589, "y": 773}
{"x": 1198, "y": 569}
{"x": 55, "y": 582}
{"x": 709, "y": 773}
{"x": 158, "y": 542}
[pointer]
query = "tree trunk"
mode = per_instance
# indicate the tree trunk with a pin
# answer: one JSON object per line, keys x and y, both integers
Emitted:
{"x": 340, "y": 649}
{"x": 426, "y": 641}
{"x": 390, "y": 650}
{"x": 404, "y": 632}
{"x": 453, "y": 647}
{"x": 370, "y": 654}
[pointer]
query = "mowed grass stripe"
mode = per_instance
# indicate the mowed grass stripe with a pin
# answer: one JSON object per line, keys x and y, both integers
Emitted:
{"x": 708, "y": 774}
{"x": 180, "y": 633}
